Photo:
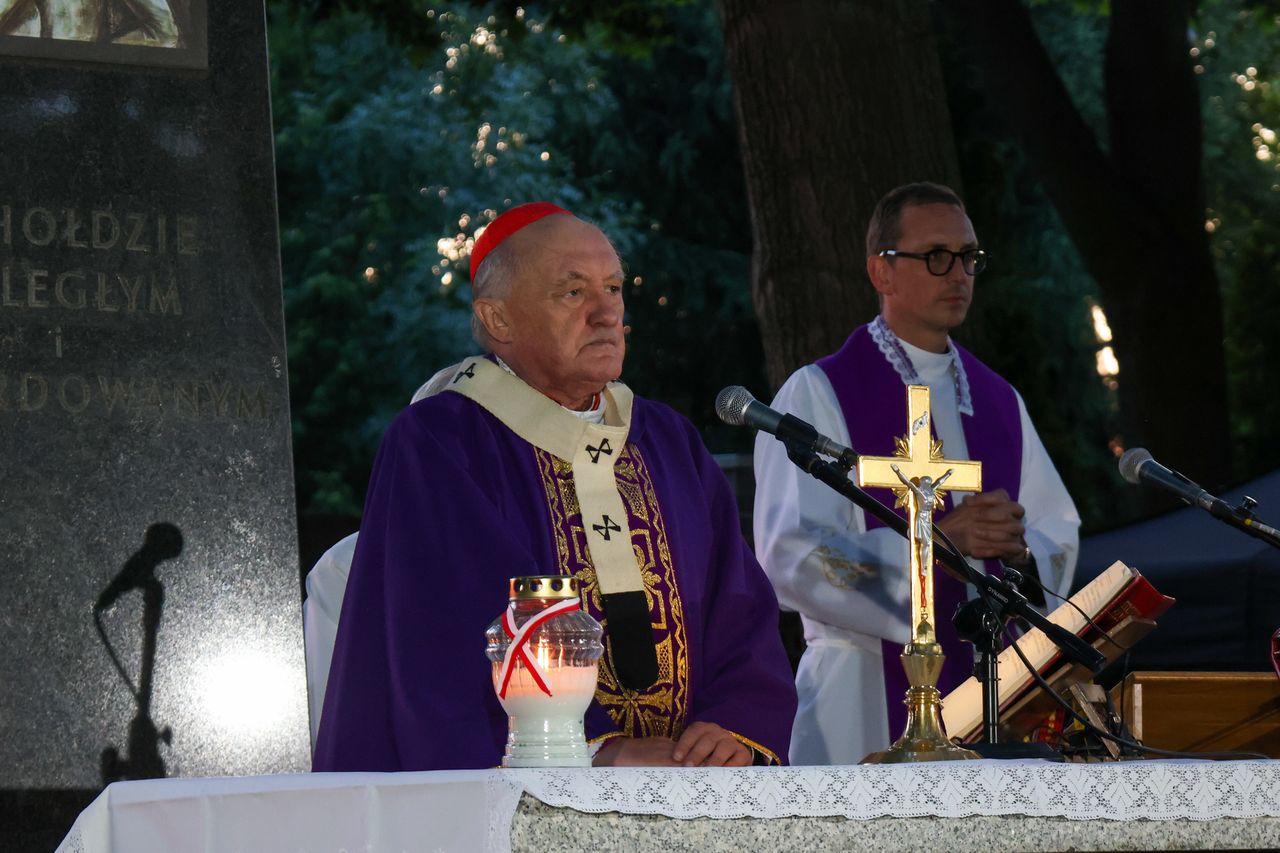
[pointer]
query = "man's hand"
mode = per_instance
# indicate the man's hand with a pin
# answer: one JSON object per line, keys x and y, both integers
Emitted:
{"x": 701, "y": 745}
{"x": 986, "y": 526}
{"x": 708, "y": 745}
{"x": 637, "y": 752}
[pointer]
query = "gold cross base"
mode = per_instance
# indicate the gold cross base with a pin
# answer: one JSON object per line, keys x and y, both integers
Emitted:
{"x": 924, "y": 738}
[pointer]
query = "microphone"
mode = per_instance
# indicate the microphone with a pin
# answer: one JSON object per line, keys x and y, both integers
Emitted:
{"x": 736, "y": 407}
{"x": 1137, "y": 465}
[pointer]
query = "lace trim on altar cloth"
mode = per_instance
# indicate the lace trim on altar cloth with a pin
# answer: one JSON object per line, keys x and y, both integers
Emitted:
{"x": 1150, "y": 790}
{"x": 504, "y": 798}
{"x": 891, "y": 348}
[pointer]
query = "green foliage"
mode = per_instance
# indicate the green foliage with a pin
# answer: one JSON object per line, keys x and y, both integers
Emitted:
{"x": 626, "y": 27}
{"x": 395, "y": 144}
{"x": 630, "y": 28}
{"x": 1238, "y": 59}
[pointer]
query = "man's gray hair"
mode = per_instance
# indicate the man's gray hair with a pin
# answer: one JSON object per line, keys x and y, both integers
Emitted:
{"x": 494, "y": 280}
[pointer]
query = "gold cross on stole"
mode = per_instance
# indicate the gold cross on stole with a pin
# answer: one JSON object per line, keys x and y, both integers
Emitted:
{"x": 918, "y": 473}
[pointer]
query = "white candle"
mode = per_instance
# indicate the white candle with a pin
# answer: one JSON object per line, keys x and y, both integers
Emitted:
{"x": 546, "y": 731}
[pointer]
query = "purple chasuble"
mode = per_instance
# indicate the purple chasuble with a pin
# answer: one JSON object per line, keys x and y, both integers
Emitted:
{"x": 457, "y": 505}
{"x": 873, "y": 400}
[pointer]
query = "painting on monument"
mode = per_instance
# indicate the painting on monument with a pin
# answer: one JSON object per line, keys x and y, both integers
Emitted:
{"x": 135, "y": 32}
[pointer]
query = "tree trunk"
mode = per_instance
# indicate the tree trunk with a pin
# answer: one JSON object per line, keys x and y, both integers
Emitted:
{"x": 837, "y": 103}
{"x": 1171, "y": 329}
{"x": 1135, "y": 213}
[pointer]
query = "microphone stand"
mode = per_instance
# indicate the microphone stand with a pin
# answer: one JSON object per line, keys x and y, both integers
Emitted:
{"x": 1243, "y": 519}
{"x": 979, "y": 620}
{"x": 980, "y": 625}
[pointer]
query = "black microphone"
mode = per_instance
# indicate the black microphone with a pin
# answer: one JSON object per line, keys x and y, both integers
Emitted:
{"x": 736, "y": 407}
{"x": 1137, "y": 465}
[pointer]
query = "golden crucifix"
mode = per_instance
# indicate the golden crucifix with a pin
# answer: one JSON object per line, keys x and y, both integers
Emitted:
{"x": 919, "y": 474}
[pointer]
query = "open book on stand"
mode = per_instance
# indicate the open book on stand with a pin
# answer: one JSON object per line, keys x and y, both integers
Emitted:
{"x": 1121, "y": 603}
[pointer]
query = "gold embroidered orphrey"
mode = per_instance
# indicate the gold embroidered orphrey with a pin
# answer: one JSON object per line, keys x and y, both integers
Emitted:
{"x": 660, "y": 710}
{"x": 918, "y": 473}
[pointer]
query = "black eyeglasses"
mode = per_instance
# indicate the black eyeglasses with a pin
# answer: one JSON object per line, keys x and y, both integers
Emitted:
{"x": 940, "y": 261}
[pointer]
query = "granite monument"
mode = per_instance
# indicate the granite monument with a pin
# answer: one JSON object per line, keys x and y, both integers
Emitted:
{"x": 151, "y": 623}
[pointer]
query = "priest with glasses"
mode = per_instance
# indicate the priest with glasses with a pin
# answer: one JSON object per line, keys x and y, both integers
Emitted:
{"x": 842, "y": 570}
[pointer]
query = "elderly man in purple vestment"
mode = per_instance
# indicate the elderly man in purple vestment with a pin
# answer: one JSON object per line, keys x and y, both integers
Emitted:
{"x": 500, "y": 475}
{"x": 848, "y": 575}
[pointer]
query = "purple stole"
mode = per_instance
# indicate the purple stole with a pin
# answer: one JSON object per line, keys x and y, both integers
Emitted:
{"x": 873, "y": 401}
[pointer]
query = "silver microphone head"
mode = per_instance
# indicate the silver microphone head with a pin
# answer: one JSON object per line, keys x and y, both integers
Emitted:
{"x": 731, "y": 402}
{"x": 1132, "y": 460}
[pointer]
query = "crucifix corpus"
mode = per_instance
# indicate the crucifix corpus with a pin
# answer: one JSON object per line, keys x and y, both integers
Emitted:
{"x": 919, "y": 475}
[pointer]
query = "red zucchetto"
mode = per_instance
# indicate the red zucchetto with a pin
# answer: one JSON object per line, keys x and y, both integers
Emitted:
{"x": 506, "y": 225}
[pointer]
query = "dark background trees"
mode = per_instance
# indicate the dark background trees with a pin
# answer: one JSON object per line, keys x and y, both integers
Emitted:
{"x": 1132, "y": 200}
{"x": 402, "y": 126}
{"x": 837, "y": 103}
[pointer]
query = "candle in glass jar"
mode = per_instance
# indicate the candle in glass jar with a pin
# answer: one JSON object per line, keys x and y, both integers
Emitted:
{"x": 571, "y": 690}
{"x": 545, "y": 651}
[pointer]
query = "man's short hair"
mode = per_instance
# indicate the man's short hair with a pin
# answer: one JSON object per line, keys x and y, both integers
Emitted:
{"x": 494, "y": 279}
{"x": 885, "y": 228}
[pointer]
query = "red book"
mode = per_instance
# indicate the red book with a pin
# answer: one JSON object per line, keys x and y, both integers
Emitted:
{"x": 1138, "y": 600}
{"x": 1120, "y": 602}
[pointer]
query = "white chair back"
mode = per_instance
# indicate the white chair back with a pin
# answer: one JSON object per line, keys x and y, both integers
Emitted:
{"x": 326, "y": 585}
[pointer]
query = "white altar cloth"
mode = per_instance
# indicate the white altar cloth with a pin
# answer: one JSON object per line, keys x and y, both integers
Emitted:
{"x": 471, "y": 810}
{"x": 440, "y": 811}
